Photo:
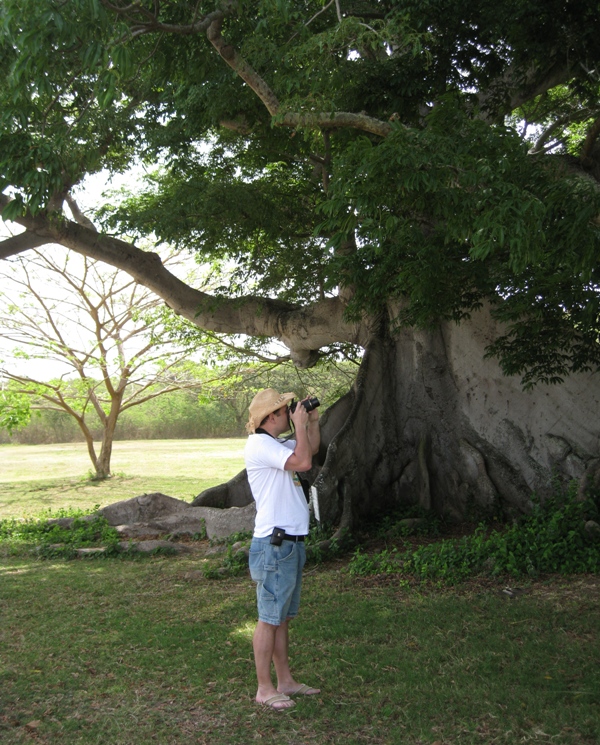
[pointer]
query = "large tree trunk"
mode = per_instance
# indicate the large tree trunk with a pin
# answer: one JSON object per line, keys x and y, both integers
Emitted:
{"x": 431, "y": 422}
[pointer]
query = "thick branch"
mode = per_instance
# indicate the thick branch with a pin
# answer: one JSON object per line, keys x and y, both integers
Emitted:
{"x": 302, "y": 329}
{"x": 146, "y": 21}
{"x": 237, "y": 63}
{"x": 339, "y": 120}
{"x": 537, "y": 82}
{"x": 515, "y": 87}
{"x": 267, "y": 96}
{"x": 18, "y": 243}
{"x": 556, "y": 125}
{"x": 78, "y": 214}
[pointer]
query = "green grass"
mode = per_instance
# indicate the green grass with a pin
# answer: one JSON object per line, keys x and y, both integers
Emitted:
{"x": 135, "y": 651}
{"x": 151, "y": 651}
{"x": 41, "y": 477}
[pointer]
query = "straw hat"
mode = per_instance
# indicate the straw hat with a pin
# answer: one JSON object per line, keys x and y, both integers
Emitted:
{"x": 264, "y": 403}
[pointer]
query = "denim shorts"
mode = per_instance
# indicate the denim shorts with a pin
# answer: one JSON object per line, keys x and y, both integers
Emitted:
{"x": 277, "y": 571}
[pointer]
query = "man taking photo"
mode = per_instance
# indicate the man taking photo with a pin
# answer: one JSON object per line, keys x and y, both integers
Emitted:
{"x": 277, "y": 553}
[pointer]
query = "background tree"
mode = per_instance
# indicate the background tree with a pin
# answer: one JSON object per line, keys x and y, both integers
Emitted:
{"x": 218, "y": 408}
{"x": 104, "y": 329}
{"x": 15, "y": 410}
{"x": 377, "y": 172}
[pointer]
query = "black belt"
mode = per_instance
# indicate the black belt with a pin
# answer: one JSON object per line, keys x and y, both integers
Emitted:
{"x": 294, "y": 538}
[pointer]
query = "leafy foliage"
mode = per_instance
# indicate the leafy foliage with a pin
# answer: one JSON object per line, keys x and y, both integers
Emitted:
{"x": 509, "y": 229}
{"x": 551, "y": 539}
{"x": 52, "y": 539}
{"x": 15, "y": 410}
{"x": 475, "y": 179}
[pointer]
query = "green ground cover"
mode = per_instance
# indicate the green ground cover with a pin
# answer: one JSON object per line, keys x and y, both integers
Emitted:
{"x": 130, "y": 651}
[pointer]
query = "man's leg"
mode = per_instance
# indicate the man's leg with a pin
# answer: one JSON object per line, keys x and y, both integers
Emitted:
{"x": 271, "y": 641}
{"x": 264, "y": 643}
{"x": 281, "y": 656}
{"x": 285, "y": 682}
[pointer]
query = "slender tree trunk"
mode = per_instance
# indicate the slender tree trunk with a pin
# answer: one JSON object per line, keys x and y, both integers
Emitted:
{"x": 89, "y": 441}
{"x": 103, "y": 470}
{"x": 103, "y": 462}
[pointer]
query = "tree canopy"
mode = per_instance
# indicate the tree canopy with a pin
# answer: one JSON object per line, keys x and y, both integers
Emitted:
{"x": 423, "y": 157}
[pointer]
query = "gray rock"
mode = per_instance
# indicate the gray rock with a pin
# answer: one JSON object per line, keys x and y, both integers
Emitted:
{"x": 592, "y": 529}
{"x": 142, "y": 509}
{"x": 233, "y": 493}
{"x": 222, "y": 523}
{"x": 180, "y": 523}
{"x": 62, "y": 522}
{"x": 154, "y": 515}
{"x": 89, "y": 551}
{"x": 194, "y": 520}
{"x": 139, "y": 530}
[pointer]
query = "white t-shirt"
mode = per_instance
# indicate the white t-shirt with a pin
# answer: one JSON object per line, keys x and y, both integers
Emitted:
{"x": 280, "y": 501}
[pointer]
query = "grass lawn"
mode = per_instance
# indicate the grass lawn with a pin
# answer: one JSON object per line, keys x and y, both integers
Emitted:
{"x": 136, "y": 651}
{"x": 131, "y": 652}
{"x": 38, "y": 477}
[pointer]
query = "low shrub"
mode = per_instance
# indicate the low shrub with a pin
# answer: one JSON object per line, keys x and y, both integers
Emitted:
{"x": 51, "y": 539}
{"x": 551, "y": 539}
{"x": 388, "y": 561}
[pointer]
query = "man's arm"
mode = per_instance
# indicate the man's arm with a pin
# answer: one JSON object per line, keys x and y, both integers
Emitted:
{"x": 301, "y": 458}
{"x": 314, "y": 431}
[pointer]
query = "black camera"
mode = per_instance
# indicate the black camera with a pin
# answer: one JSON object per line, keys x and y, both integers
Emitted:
{"x": 309, "y": 404}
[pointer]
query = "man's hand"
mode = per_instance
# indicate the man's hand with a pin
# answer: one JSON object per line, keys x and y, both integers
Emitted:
{"x": 301, "y": 458}
{"x": 299, "y": 417}
{"x": 313, "y": 415}
{"x": 314, "y": 431}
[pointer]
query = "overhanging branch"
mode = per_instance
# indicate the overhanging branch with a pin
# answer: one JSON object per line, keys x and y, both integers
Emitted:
{"x": 237, "y": 63}
{"x": 317, "y": 120}
{"x": 303, "y": 329}
{"x": 16, "y": 244}
{"x": 338, "y": 120}
{"x": 144, "y": 21}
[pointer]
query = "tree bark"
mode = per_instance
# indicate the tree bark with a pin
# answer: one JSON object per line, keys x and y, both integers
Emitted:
{"x": 109, "y": 425}
{"x": 431, "y": 422}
